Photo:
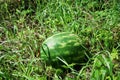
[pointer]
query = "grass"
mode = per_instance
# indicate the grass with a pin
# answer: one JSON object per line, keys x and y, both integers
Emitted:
{"x": 25, "y": 25}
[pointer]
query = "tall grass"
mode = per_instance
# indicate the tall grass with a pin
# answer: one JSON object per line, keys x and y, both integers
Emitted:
{"x": 24, "y": 25}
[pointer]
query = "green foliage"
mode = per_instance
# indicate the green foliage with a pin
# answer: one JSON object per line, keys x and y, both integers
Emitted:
{"x": 24, "y": 25}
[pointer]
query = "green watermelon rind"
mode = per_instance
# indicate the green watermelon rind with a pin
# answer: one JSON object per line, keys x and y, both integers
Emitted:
{"x": 65, "y": 45}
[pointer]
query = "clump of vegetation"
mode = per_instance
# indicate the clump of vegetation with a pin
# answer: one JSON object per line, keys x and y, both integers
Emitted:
{"x": 26, "y": 24}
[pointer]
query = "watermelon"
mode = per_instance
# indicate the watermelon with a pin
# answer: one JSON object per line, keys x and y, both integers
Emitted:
{"x": 65, "y": 46}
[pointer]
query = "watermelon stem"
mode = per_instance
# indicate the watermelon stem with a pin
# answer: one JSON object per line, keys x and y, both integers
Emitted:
{"x": 47, "y": 52}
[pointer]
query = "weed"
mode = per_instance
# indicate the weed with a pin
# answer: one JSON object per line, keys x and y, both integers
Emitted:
{"x": 25, "y": 25}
